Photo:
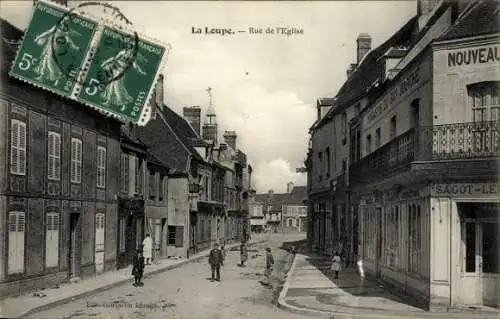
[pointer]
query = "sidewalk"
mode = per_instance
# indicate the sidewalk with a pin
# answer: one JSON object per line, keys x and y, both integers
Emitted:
{"x": 22, "y": 306}
{"x": 311, "y": 290}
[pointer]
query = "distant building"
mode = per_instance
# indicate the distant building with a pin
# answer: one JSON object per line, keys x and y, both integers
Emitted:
{"x": 282, "y": 212}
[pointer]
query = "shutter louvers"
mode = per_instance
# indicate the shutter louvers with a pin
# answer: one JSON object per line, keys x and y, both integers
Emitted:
{"x": 22, "y": 149}
{"x": 14, "y": 147}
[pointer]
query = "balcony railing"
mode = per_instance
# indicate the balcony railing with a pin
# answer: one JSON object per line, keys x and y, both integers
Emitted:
{"x": 430, "y": 143}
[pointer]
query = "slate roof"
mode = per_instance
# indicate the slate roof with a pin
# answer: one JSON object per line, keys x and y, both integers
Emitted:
{"x": 480, "y": 18}
{"x": 172, "y": 142}
{"x": 277, "y": 200}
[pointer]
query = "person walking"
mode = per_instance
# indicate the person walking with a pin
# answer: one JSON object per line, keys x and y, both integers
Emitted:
{"x": 215, "y": 260}
{"x": 269, "y": 264}
{"x": 336, "y": 264}
{"x": 147, "y": 246}
{"x": 138, "y": 268}
{"x": 243, "y": 253}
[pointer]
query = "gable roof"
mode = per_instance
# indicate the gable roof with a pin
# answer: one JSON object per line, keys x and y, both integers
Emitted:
{"x": 276, "y": 201}
{"x": 480, "y": 18}
{"x": 298, "y": 194}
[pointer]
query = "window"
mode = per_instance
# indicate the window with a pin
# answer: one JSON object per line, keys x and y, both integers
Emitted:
{"x": 152, "y": 185}
{"x": 290, "y": 222}
{"x": 392, "y": 132}
{"x": 415, "y": 113}
{"x": 76, "y": 161}
{"x": 52, "y": 240}
{"x": 368, "y": 144}
{"x": 485, "y": 101}
{"x": 377, "y": 138}
{"x": 297, "y": 223}
{"x": 18, "y": 147}
{"x": 16, "y": 242}
{"x": 54, "y": 156}
{"x": 101, "y": 167}
{"x": 124, "y": 173}
{"x": 343, "y": 124}
{"x": 327, "y": 162}
{"x": 100, "y": 220}
{"x": 161, "y": 187}
{"x": 138, "y": 175}
{"x": 122, "y": 235}
{"x": 320, "y": 159}
{"x": 175, "y": 236}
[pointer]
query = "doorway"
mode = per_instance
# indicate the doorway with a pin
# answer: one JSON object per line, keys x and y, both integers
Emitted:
{"x": 378, "y": 257}
{"x": 74, "y": 246}
{"x": 480, "y": 254}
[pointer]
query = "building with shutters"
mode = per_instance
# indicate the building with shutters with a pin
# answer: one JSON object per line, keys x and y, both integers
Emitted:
{"x": 59, "y": 182}
{"x": 421, "y": 180}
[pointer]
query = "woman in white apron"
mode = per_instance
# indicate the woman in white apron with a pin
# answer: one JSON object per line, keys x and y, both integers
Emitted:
{"x": 336, "y": 264}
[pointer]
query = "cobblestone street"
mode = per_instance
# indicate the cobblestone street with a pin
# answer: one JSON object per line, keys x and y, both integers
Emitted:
{"x": 187, "y": 293}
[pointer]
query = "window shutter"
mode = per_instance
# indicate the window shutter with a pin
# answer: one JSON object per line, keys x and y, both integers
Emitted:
{"x": 50, "y": 156}
{"x": 73, "y": 160}
{"x": 57, "y": 156}
{"x": 76, "y": 160}
{"x": 22, "y": 149}
{"x": 122, "y": 235}
{"x": 14, "y": 147}
{"x": 157, "y": 234}
{"x": 99, "y": 232}
{"x": 16, "y": 242}
{"x": 101, "y": 167}
{"x": 52, "y": 240}
{"x": 124, "y": 173}
{"x": 179, "y": 236}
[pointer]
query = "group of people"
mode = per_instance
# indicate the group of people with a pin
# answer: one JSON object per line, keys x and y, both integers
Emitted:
{"x": 216, "y": 259}
{"x": 218, "y": 255}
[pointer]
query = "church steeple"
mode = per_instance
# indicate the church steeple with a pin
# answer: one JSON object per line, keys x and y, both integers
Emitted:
{"x": 210, "y": 126}
{"x": 210, "y": 117}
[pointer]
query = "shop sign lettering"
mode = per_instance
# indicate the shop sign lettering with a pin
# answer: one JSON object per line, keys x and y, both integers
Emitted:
{"x": 466, "y": 189}
{"x": 405, "y": 86}
{"x": 474, "y": 56}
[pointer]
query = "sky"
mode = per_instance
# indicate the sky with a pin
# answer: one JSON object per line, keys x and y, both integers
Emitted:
{"x": 264, "y": 86}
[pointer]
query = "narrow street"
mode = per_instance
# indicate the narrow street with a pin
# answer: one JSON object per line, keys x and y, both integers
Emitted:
{"x": 187, "y": 293}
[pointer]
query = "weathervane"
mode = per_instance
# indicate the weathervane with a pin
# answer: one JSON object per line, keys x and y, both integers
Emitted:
{"x": 209, "y": 90}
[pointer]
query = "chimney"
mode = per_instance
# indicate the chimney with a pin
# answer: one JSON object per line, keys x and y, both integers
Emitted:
{"x": 230, "y": 138}
{"x": 364, "y": 45}
{"x": 289, "y": 187}
{"x": 159, "y": 91}
{"x": 351, "y": 69}
{"x": 192, "y": 114}
{"x": 424, "y": 10}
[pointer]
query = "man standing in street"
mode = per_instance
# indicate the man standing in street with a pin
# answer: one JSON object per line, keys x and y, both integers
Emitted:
{"x": 147, "y": 246}
{"x": 269, "y": 265}
{"x": 243, "y": 253}
{"x": 215, "y": 261}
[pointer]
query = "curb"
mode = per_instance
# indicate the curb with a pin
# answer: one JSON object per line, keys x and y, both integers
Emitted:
{"x": 117, "y": 283}
{"x": 347, "y": 313}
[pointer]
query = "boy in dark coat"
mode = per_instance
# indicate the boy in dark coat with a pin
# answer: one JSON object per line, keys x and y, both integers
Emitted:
{"x": 215, "y": 260}
{"x": 138, "y": 268}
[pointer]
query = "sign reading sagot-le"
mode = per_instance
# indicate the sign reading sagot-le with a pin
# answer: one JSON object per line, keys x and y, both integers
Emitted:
{"x": 96, "y": 64}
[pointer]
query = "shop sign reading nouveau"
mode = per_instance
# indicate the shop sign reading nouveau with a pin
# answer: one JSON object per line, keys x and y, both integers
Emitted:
{"x": 473, "y": 56}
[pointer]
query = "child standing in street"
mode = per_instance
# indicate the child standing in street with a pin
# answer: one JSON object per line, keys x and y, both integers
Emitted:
{"x": 336, "y": 264}
{"x": 138, "y": 268}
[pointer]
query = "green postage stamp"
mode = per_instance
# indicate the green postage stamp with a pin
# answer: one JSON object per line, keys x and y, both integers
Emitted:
{"x": 110, "y": 69}
{"x": 54, "y": 48}
{"x": 120, "y": 77}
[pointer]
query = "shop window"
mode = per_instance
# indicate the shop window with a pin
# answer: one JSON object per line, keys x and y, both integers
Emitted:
{"x": 171, "y": 235}
{"x": 470, "y": 247}
{"x": 485, "y": 101}
{"x": 491, "y": 247}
